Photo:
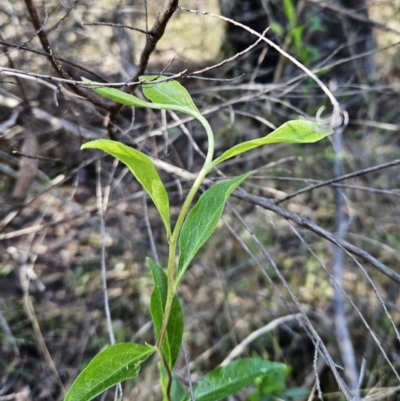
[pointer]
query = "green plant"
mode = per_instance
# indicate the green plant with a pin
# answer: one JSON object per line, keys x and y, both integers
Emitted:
{"x": 274, "y": 386}
{"x": 193, "y": 227}
{"x": 294, "y": 33}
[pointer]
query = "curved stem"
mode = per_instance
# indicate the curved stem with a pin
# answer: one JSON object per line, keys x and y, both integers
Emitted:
{"x": 173, "y": 242}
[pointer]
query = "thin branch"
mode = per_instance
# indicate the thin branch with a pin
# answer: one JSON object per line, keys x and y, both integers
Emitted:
{"x": 102, "y": 207}
{"x": 240, "y": 348}
{"x": 72, "y": 82}
{"x": 119, "y": 26}
{"x": 150, "y": 231}
{"x": 338, "y": 179}
{"x": 303, "y": 222}
{"x": 189, "y": 376}
{"x": 341, "y": 326}
{"x": 227, "y": 60}
{"x": 315, "y": 367}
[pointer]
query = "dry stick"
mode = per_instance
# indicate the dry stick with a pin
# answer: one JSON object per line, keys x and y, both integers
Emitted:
{"x": 187, "y": 364}
{"x": 150, "y": 231}
{"x": 340, "y": 178}
{"x": 102, "y": 202}
{"x": 118, "y": 26}
{"x": 49, "y": 51}
{"x": 152, "y": 38}
{"x": 16, "y": 72}
{"x": 240, "y": 348}
{"x": 341, "y": 326}
{"x": 303, "y": 222}
{"x": 101, "y": 208}
{"x": 315, "y": 367}
{"x": 223, "y": 62}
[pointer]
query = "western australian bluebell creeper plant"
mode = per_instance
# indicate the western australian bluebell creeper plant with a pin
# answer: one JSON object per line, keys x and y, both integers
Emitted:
{"x": 194, "y": 226}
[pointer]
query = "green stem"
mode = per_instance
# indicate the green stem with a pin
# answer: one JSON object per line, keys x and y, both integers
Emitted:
{"x": 178, "y": 226}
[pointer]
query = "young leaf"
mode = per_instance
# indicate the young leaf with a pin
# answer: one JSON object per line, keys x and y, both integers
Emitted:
{"x": 168, "y": 92}
{"x": 230, "y": 379}
{"x": 108, "y": 368}
{"x": 173, "y": 338}
{"x": 202, "y": 220}
{"x": 296, "y": 131}
{"x": 290, "y": 12}
{"x": 117, "y": 95}
{"x": 144, "y": 171}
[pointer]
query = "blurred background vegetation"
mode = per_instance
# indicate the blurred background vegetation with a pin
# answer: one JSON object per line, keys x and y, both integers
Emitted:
{"x": 52, "y": 317}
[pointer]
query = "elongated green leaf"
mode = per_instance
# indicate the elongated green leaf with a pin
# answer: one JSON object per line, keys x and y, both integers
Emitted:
{"x": 296, "y": 131}
{"x": 117, "y": 95}
{"x": 144, "y": 171}
{"x": 168, "y": 92}
{"x": 202, "y": 220}
{"x": 108, "y": 368}
{"x": 290, "y": 12}
{"x": 230, "y": 379}
{"x": 173, "y": 338}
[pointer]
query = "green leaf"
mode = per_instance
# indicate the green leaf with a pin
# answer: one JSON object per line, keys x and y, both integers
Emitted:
{"x": 276, "y": 27}
{"x": 117, "y": 95}
{"x": 230, "y": 379}
{"x": 108, "y": 368}
{"x": 177, "y": 390}
{"x": 173, "y": 338}
{"x": 296, "y": 131}
{"x": 202, "y": 220}
{"x": 290, "y": 11}
{"x": 167, "y": 93}
{"x": 144, "y": 171}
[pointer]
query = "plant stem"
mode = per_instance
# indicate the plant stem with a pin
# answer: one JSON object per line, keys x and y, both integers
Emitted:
{"x": 178, "y": 226}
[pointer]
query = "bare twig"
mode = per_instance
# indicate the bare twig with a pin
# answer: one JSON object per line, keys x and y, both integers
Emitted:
{"x": 341, "y": 327}
{"x": 119, "y": 26}
{"x": 150, "y": 231}
{"x": 240, "y": 348}
{"x": 102, "y": 202}
{"x": 189, "y": 376}
{"x": 102, "y": 207}
{"x": 223, "y": 62}
{"x": 338, "y": 179}
{"x": 303, "y": 222}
